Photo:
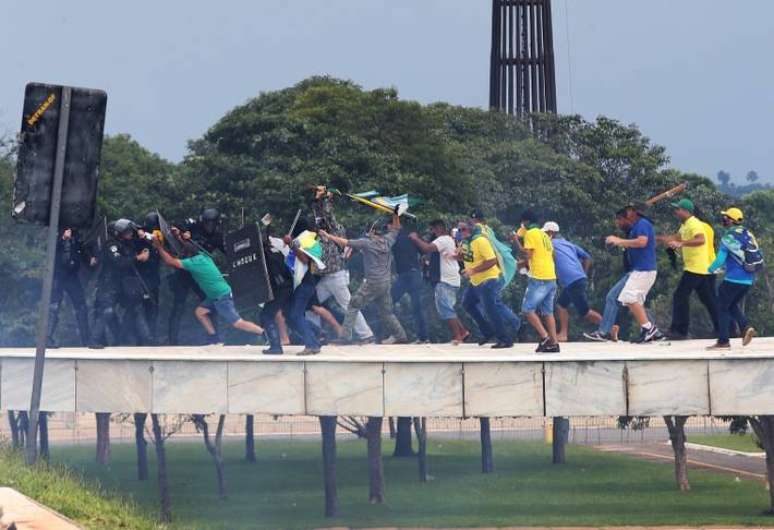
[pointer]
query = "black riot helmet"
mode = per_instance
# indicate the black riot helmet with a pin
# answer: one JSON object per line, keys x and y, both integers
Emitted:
{"x": 124, "y": 227}
{"x": 210, "y": 218}
{"x": 152, "y": 221}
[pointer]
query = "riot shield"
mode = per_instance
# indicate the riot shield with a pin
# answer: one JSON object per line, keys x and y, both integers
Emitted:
{"x": 247, "y": 272}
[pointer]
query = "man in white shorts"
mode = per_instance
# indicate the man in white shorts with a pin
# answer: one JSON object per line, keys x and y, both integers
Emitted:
{"x": 640, "y": 244}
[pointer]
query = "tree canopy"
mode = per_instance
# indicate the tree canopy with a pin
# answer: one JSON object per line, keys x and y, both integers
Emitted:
{"x": 264, "y": 155}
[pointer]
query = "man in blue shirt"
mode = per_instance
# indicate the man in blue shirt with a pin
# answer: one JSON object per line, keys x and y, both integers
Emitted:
{"x": 737, "y": 281}
{"x": 640, "y": 244}
{"x": 572, "y": 263}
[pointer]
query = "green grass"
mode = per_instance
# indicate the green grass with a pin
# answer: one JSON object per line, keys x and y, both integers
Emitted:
{"x": 70, "y": 495}
{"x": 737, "y": 442}
{"x": 284, "y": 488}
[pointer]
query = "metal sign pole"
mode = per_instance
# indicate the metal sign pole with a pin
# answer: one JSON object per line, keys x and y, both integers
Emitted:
{"x": 48, "y": 279}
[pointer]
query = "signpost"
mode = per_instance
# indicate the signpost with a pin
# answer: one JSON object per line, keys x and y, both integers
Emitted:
{"x": 60, "y": 146}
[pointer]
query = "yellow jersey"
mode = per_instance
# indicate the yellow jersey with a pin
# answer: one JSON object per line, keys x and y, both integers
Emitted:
{"x": 541, "y": 261}
{"x": 697, "y": 259}
{"x": 477, "y": 252}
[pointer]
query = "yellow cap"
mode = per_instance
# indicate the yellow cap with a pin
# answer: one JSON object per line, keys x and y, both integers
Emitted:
{"x": 735, "y": 214}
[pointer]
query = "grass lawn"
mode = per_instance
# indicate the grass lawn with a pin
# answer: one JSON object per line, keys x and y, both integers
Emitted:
{"x": 737, "y": 442}
{"x": 284, "y": 488}
{"x": 70, "y": 495}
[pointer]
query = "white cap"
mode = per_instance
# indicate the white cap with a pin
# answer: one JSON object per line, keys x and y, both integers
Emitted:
{"x": 550, "y": 226}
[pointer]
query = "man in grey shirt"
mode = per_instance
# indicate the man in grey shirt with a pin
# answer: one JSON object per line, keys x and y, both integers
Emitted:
{"x": 377, "y": 262}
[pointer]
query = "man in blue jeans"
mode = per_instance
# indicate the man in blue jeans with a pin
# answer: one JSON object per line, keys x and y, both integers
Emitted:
{"x": 612, "y": 307}
{"x": 737, "y": 281}
{"x": 482, "y": 270}
{"x": 409, "y": 281}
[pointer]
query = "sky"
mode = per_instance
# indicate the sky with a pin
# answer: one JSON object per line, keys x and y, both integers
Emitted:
{"x": 695, "y": 75}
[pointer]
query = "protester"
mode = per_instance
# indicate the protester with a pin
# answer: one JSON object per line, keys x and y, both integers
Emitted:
{"x": 445, "y": 276}
{"x": 218, "y": 296}
{"x": 572, "y": 265}
{"x": 481, "y": 269}
{"x": 640, "y": 243}
{"x": 695, "y": 240}
{"x": 611, "y": 316}
{"x": 737, "y": 280}
{"x": 541, "y": 287}
{"x": 333, "y": 281}
{"x": 409, "y": 279}
{"x": 377, "y": 261}
{"x": 205, "y": 232}
{"x": 506, "y": 263}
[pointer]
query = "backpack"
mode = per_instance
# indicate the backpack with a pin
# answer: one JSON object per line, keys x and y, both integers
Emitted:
{"x": 750, "y": 256}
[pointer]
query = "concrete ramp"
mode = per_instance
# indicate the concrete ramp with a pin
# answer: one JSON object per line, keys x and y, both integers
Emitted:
{"x": 586, "y": 379}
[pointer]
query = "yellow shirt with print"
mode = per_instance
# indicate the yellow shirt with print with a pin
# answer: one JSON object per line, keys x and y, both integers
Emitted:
{"x": 697, "y": 259}
{"x": 541, "y": 262}
{"x": 709, "y": 237}
{"x": 477, "y": 252}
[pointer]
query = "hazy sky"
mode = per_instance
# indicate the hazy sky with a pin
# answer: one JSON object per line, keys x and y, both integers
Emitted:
{"x": 695, "y": 75}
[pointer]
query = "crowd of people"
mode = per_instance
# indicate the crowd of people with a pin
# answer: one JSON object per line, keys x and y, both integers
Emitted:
{"x": 466, "y": 264}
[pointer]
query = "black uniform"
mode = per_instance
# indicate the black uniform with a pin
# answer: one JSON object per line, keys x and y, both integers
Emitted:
{"x": 69, "y": 255}
{"x": 181, "y": 282}
{"x": 107, "y": 293}
{"x": 150, "y": 273}
{"x": 133, "y": 291}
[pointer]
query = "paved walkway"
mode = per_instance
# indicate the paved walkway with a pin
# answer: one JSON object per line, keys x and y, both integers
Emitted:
{"x": 741, "y": 465}
{"x": 27, "y": 514}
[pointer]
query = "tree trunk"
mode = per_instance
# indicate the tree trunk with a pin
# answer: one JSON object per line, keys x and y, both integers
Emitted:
{"x": 403, "y": 438}
{"x": 420, "y": 425}
{"x": 375, "y": 468}
{"x": 328, "y": 428}
{"x": 764, "y": 430}
{"x": 103, "y": 438}
{"x": 43, "y": 430}
{"x": 218, "y": 456}
{"x": 676, "y": 427}
{"x": 250, "y": 438}
{"x": 19, "y": 423}
{"x": 215, "y": 450}
{"x": 24, "y": 426}
{"x": 487, "y": 461}
{"x": 141, "y": 445}
{"x": 561, "y": 431}
{"x": 12, "y": 423}
{"x": 165, "y": 512}
{"x": 391, "y": 426}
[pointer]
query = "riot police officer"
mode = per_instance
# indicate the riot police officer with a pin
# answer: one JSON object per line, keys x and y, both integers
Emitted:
{"x": 133, "y": 291}
{"x": 206, "y": 233}
{"x": 69, "y": 255}
{"x": 107, "y": 291}
{"x": 150, "y": 273}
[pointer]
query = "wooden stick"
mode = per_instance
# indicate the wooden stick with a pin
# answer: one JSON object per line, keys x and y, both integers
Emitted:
{"x": 667, "y": 194}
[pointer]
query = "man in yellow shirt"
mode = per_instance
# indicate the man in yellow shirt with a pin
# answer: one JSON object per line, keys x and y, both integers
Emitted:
{"x": 482, "y": 270}
{"x": 541, "y": 288}
{"x": 695, "y": 239}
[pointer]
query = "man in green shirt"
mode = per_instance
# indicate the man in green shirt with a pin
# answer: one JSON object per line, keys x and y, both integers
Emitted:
{"x": 217, "y": 291}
